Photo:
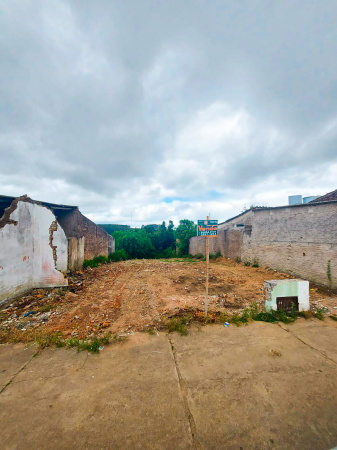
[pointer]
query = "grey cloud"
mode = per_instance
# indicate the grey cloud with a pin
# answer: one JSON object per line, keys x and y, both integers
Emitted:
{"x": 96, "y": 93}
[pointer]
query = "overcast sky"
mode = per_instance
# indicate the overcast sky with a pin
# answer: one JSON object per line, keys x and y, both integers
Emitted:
{"x": 167, "y": 109}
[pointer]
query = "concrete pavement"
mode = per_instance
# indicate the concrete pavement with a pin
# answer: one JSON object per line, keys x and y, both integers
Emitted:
{"x": 215, "y": 388}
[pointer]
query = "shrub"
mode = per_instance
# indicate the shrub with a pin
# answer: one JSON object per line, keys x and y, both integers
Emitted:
{"x": 101, "y": 259}
{"x": 118, "y": 255}
{"x": 89, "y": 263}
{"x": 215, "y": 255}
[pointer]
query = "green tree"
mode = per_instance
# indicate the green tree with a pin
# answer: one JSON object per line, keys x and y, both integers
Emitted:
{"x": 185, "y": 230}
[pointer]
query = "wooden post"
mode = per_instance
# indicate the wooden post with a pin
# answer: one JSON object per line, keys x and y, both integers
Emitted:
{"x": 207, "y": 272}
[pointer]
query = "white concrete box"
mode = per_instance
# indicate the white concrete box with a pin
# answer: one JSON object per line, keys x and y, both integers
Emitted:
{"x": 287, "y": 295}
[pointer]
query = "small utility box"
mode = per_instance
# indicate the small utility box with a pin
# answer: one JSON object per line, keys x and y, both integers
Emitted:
{"x": 289, "y": 295}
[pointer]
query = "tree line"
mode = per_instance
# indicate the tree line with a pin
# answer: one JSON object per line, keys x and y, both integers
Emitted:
{"x": 151, "y": 241}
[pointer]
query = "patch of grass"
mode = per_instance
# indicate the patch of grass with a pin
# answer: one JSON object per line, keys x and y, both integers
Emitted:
{"x": 272, "y": 316}
{"x": 177, "y": 325}
{"x": 190, "y": 260}
{"x": 199, "y": 256}
{"x": 151, "y": 331}
{"x": 90, "y": 345}
{"x": 247, "y": 263}
{"x": 333, "y": 317}
{"x": 45, "y": 308}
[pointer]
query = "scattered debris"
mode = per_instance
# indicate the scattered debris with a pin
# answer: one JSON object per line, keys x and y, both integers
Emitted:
{"x": 275, "y": 352}
{"x": 142, "y": 295}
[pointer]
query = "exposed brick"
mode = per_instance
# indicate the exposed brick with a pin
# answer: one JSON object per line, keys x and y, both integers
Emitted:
{"x": 298, "y": 239}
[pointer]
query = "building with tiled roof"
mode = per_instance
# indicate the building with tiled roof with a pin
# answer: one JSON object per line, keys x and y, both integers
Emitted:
{"x": 329, "y": 197}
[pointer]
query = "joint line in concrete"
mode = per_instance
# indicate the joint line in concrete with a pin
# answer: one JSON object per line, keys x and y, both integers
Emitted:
{"x": 17, "y": 373}
{"x": 305, "y": 343}
{"x": 183, "y": 391}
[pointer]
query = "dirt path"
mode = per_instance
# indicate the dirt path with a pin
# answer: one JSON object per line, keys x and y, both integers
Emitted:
{"x": 135, "y": 295}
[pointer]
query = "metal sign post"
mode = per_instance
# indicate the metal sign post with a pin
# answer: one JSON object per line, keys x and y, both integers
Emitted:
{"x": 207, "y": 228}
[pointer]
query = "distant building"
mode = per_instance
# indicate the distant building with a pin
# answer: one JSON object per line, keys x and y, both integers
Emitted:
{"x": 40, "y": 242}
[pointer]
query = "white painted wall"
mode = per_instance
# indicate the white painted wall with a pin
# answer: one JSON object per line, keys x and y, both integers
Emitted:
{"x": 287, "y": 288}
{"x": 26, "y": 257}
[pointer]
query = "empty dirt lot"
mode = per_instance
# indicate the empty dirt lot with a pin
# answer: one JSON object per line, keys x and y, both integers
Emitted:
{"x": 140, "y": 294}
{"x": 257, "y": 386}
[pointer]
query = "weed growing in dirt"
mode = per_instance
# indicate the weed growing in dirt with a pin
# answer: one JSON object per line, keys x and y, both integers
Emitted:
{"x": 151, "y": 331}
{"x": 90, "y": 345}
{"x": 319, "y": 313}
{"x": 255, "y": 262}
{"x": 333, "y": 317}
{"x": 177, "y": 325}
{"x": 45, "y": 308}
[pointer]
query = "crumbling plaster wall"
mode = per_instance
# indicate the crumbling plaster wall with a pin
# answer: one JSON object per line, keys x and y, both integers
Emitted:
{"x": 33, "y": 249}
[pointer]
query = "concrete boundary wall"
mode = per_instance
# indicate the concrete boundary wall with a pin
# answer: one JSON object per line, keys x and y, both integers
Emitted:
{"x": 300, "y": 240}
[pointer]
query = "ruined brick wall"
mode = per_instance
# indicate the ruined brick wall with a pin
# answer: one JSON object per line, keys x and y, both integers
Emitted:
{"x": 96, "y": 240}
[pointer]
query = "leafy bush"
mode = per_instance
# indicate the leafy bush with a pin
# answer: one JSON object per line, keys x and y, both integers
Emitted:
{"x": 89, "y": 263}
{"x": 101, "y": 259}
{"x": 118, "y": 255}
{"x": 215, "y": 255}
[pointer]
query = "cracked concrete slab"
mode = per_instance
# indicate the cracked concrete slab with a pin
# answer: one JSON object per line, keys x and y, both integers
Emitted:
{"x": 13, "y": 358}
{"x": 215, "y": 388}
{"x": 241, "y": 396}
{"x": 126, "y": 397}
{"x": 320, "y": 335}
